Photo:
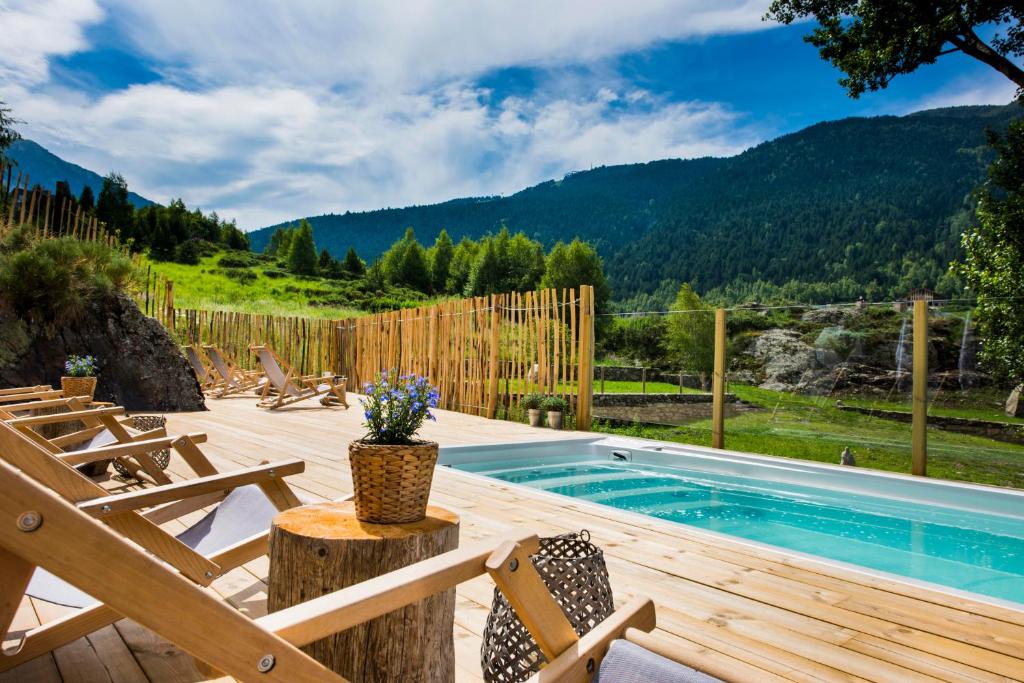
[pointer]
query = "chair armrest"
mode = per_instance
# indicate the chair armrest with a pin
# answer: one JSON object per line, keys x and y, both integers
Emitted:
{"x": 118, "y": 450}
{"x": 133, "y": 500}
{"x": 64, "y": 417}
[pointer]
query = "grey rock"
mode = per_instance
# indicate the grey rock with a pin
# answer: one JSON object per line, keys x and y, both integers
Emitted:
{"x": 789, "y": 363}
{"x": 846, "y": 458}
{"x": 831, "y": 315}
{"x": 1015, "y": 403}
{"x": 140, "y": 365}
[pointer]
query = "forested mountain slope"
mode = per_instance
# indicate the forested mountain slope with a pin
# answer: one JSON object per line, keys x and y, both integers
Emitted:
{"x": 876, "y": 200}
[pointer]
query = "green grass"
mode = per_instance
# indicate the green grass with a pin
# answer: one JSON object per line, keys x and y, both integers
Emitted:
{"x": 623, "y": 387}
{"x": 810, "y": 428}
{"x": 265, "y": 289}
{"x": 985, "y": 405}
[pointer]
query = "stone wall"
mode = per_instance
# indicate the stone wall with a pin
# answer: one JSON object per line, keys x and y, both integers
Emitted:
{"x": 670, "y": 409}
{"x": 1000, "y": 431}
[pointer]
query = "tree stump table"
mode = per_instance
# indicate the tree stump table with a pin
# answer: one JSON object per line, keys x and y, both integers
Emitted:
{"x": 317, "y": 549}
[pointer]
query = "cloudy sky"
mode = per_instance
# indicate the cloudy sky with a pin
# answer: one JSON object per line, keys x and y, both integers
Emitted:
{"x": 267, "y": 111}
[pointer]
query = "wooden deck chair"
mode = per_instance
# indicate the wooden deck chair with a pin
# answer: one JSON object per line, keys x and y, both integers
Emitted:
{"x": 206, "y": 374}
{"x": 98, "y": 427}
{"x": 292, "y": 387}
{"x": 39, "y": 392}
{"x": 233, "y": 378}
{"x": 44, "y": 530}
{"x": 233, "y": 533}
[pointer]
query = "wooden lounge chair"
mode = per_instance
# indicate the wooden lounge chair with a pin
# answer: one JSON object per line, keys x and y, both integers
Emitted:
{"x": 91, "y": 428}
{"x": 34, "y": 393}
{"x": 42, "y": 529}
{"x": 233, "y": 378}
{"x": 292, "y": 387}
{"x": 206, "y": 374}
{"x": 234, "y": 533}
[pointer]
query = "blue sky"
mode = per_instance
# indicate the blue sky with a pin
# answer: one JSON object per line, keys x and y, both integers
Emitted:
{"x": 268, "y": 111}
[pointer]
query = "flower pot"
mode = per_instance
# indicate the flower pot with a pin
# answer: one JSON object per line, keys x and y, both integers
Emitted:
{"x": 392, "y": 483}
{"x": 534, "y": 417}
{"x": 78, "y": 386}
{"x": 555, "y": 419}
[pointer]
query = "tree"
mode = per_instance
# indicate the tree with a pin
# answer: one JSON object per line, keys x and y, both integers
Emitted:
{"x": 87, "y": 200}
{"x": 873, "y": 41}
{"x": 461, "y": 265}
{"x": 273, "y": 247}
{"x": 440, "y": 261}
{"x": 691, "y": 334}
{"x": 230, "y": 236}
{"x": 405, "y": 263}
{"x": 8, "y": 135}
{"x": 994, "y": 261}
{"x": 486, "y": 274}
{"x": 302, "y": 256}
{"x": 353, "y": 264}
{"x": 112, "y": 206}
{"x": 62, "y": 199}
{"x": 576, "y": 264}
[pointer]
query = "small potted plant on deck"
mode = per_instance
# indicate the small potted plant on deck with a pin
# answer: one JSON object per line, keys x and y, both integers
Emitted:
{"x": 531, "y": 402}
{"x": 391, "y": 469}
{"x": 555, "y": 406}
{"x": 79, "y": 377}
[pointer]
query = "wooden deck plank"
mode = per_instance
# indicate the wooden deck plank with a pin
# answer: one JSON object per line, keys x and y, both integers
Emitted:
{"x": 760, "y": 614}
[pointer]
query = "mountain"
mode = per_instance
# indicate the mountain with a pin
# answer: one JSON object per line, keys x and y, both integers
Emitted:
{"x": 880, "y": 201}
{"x": 45, "y": 168}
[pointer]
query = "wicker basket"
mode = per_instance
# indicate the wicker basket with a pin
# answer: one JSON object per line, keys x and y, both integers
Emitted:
{"x": 574, "y": 571}
{"x": 78, "y": 386}
{"x": 392, "y": 483}
{"x": 144, "y": 423}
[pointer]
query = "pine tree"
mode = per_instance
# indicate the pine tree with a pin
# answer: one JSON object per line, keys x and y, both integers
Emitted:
{"x": 485, "y": 277}
{"x": 353, "y": 264}
{"x": 273, "y": 247}
{"x": 576, "y": 264}
{"x": 440, "y": 261}
{"x": 87, "y": 200}
{"x": 302, "y": 256}
{"x": 113, "y": 207}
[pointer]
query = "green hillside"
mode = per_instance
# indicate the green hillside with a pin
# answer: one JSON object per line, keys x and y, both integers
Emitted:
{"x": 878, "y": 201}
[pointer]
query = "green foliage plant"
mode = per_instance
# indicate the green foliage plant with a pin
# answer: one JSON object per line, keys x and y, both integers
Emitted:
{"x": 554, "y": 404}
{"x": 532, "y": 401}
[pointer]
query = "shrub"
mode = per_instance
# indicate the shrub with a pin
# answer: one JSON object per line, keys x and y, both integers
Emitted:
{"x": 80, "y": 366}
{"x": 188, "y": 253}
{"x": 274, "y": 273}
{"x": 236, "y": 259}
{"x": 396, "y": 406}
{"x": 554, "y": 404}
{"x": 242, "y": 275}
{"x": 51, "y": 281}
{"x": 532, "y": 401}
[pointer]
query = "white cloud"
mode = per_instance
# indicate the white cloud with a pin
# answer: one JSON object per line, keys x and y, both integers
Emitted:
{"x": 410, "y": 43}
{"x": 32, "y": 31}
{"x": 988, "y": 88}
{"x": 269, "y": 154}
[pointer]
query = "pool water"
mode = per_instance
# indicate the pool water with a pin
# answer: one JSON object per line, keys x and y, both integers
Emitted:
{"x": 973, "y": 551}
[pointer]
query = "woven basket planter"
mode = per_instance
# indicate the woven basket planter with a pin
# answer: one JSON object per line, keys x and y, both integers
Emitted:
{"x": 144, "y": 423}
{"x": 574, "y": 571}
{"x": 78, "y": 386}
{"x": 392, "y": 483}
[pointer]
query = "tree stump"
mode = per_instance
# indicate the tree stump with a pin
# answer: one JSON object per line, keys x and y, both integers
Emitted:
{"x": 317, "y": 549}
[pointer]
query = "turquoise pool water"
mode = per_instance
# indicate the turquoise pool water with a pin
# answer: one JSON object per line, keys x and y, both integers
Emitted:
{"x": 978, "y": 552}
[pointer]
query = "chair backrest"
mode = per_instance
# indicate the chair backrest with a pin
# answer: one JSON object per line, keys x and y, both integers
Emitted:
{"x": 197, "y": 363}
{"x": 274, "y": 372}
{"x": 222, "y": 366}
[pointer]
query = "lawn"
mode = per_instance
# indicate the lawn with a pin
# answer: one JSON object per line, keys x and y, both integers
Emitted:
{"x": 983, "y": 405}
{"x": 812, "y": 428}
{"x": 624, "y": 387}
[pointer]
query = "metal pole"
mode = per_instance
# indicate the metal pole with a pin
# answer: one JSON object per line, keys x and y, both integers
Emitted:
{"x": 718, "y": 383}
{"x": 919, "y": 428}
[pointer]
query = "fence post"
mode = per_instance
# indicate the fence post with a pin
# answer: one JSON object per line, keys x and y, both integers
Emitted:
{"x": 643, "y": 380}
{"x": 718, "y": 383}
{"x": 680, "y": 382}
{"x": 919, "y": 430}
{"x": 585, "y": 397}
{"x": 169, "y": 304}
{"x": 602, "y": 379}
{"x": 492, "y": 379}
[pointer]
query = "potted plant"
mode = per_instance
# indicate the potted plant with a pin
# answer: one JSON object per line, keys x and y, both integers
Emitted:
{"x": 532, "y": 404}
{"x": 555, "y": 406}
{"x": 391, "y": 469}
{"x": 79, "y": 377}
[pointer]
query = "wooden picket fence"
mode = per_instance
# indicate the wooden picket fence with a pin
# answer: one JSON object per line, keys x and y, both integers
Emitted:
{"x": 40, "y": 208}
{"x": 482, "y": 353}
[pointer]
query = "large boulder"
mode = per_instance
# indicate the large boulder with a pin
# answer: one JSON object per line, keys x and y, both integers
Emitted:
{"x": 140, "y": 365}
{"x": 789, "y": 363}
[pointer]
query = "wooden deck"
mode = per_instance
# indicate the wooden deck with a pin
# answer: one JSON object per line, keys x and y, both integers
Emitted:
{"x": 758, "y": 615}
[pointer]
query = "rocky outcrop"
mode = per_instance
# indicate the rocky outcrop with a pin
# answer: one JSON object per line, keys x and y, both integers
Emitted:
{"x": 788, "y": 362}
{"x": 140, "y": 365}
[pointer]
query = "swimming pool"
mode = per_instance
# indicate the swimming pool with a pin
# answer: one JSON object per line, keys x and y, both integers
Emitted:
{"x": 961, "y": 536}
